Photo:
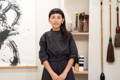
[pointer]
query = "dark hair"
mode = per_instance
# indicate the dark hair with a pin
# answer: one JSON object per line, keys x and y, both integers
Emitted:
{"x": 63, "y": 25}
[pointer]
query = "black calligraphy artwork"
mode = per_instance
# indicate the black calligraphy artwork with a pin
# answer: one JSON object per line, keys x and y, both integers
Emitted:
{"x": 8, "y": 48}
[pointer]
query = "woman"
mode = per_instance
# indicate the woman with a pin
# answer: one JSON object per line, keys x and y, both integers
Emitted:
{"x": 58, "y": 51}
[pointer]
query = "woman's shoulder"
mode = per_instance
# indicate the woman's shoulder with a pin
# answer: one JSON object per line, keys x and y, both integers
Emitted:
{"x": 43, "y": 36}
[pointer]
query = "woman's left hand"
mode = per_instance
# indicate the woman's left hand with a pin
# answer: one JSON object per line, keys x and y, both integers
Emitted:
{"x": 63, "y": 76}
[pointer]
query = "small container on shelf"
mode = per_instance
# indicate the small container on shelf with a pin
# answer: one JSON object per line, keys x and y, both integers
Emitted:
{"x": 69, "y": 27}
{"x": 81, "y": 22}
{"x": 76, "y": 68}
{"x": 81, "y": 63}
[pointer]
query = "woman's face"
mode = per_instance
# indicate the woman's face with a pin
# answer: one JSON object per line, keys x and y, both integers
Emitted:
{"x": 56, "y": 20}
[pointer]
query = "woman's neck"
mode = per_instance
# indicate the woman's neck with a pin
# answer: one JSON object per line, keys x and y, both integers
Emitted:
{"x": 55, "y": 28}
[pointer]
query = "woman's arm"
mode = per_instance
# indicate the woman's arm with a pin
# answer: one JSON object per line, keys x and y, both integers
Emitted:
{"x": 47, "y": 66}
{"x": 51, "y": 72}
{"x": 66, "y": 70}
{"x": 69, "y": 65}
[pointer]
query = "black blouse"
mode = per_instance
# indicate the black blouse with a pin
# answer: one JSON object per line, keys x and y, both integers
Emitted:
{"x": 53, "y": 46}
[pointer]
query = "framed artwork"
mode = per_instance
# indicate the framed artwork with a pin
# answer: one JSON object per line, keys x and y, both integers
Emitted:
{"x": 17, "y": 33}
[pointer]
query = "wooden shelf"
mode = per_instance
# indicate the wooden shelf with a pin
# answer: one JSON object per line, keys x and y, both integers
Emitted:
{"x": 80, "y": 33}
{"x": 15, "y": 67}
{"x": 81, "y": 72}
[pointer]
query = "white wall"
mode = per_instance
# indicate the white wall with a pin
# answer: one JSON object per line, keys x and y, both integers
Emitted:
{"x": 94, "y": 40}
{"x": 111, "y": 71}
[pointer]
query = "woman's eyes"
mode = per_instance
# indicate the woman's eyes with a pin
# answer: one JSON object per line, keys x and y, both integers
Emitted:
{"x": 58, "y": 17}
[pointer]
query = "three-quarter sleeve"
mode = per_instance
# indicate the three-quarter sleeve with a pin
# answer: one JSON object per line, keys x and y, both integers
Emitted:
{"x": 43, "y": 46}
{"x": 73, "y": 49}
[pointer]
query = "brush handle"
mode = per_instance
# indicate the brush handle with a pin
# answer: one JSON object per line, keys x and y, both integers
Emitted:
{"x": 110, "y": 15}
{"x": 101, "y": 15}
{"x": 117, "y": 9}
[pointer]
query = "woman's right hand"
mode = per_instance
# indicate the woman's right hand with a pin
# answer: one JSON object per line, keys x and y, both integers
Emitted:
{"x": 54, "y": 76}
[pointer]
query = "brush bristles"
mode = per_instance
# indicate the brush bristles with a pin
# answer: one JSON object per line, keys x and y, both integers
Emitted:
{"x": 110, "y": 52}
{"x": 117, "y": 40}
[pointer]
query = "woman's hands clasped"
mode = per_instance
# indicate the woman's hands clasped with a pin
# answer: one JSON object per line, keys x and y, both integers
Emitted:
{"x": 58, "y": 77}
